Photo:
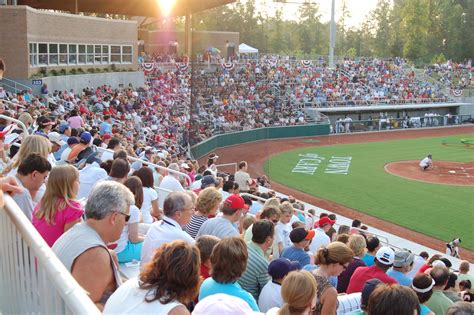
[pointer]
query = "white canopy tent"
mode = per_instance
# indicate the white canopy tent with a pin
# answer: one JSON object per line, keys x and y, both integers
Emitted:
{"x": 246, "y": 49}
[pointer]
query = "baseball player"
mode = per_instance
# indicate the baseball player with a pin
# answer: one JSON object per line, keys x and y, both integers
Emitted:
{"x": 426, "y": 163}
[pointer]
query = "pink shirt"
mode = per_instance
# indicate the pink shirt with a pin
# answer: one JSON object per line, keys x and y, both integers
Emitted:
{"x": 75, "y": 121}
{"x": 51, "y": 232}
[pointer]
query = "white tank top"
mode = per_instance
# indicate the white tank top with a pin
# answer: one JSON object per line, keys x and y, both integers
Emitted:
{"x": 130, "y": 299}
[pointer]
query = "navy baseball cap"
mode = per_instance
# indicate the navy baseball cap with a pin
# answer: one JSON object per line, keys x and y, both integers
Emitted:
{"x": 280, "y": 267}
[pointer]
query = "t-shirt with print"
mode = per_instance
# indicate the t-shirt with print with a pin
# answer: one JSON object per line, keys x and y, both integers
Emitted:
{"x": 51, "y": 232}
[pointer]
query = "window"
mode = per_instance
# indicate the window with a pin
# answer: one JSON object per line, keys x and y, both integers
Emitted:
{"x": 63, "y": 54}
{"x": 105, "y": 54}
{"x": 42, "y": 54}
{"x": 115, "y": 54}
{"x": 126, "y": 54}
{"x": 82, "y": 54}
{"x": 53, "y": 54}
{"x": 72, "y": 54}
{"x": 90, "y": 54}
{"x": 33, "y": 54}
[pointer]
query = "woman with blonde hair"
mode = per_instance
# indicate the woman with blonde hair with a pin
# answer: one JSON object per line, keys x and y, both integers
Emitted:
{"x": 298, "y": 291}
{"x": 30, "y": 144}
{"x": 332, "y": 260}
{"x": 58, "y": 209}
{"x": 129, "y": 245}
{"x": 208, "y": 202}
{"x": 358, "y": 246}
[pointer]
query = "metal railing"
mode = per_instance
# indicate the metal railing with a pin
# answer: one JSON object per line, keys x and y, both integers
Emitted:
{"x": 15, "y": 86}
{"x": 228, "y": 164}
{"x": 19, "y": 123}
{"x": 32, "y": 279}
{"x": 11, "y": 103}
{"x": 263, "y": 200}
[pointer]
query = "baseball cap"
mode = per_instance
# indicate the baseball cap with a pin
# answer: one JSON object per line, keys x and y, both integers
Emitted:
{"x": 299, "y": 234}
{"x": 368, "y": 288}
{"x": 207, "y": 180}
{"x": 186, "y": 166}
{"x": 106, "y": 136}
{"x": 72, "y": 140}
{"x": 44, "y": 121}
{"x": 280, "y": 267}
{"x": 86, "y": 137}
{"x": 222, "y": 304}
{"x": 403, "y": 258}
{"x": 63, "y": 126}
{"x": 213, "y": 156}
{"x": 385, "y": 255}
{"x": 235, "y": 202}
{"x": 325, "y": 220}
{"x": 56, "y": 138}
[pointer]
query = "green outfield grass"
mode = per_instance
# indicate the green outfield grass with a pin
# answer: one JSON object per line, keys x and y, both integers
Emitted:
{"x": 440, "y": 211}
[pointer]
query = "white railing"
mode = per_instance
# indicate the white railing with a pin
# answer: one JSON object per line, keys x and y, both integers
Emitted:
{"x": 32, "y": 279}
{"x": 16, "y": 121}
{"x": 306, "y": 213}
{"x": 228, "y": 164}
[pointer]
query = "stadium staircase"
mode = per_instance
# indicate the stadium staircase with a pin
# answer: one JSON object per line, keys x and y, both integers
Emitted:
{"x": 13, "y": 86}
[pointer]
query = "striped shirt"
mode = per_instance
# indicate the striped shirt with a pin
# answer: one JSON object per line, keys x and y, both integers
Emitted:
{"x": 256, "y": 275}
{"x": 195, "y": 224}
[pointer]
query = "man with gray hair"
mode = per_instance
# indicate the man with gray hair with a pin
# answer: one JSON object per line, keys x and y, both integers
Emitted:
{"x": 83, "y": 248}
{"x": 178, "y": 209}
{"x": 438, "y": 302}
{"x": 170, "y": 182}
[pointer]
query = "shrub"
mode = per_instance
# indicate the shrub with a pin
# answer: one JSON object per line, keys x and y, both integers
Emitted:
{"x": 80, "y": 71}
{"x": 97, "y": 70}
{"x": 113, "y": 67}
{"x": 62, "y": 72}
{"x": 53, "y": 72}
{"x": 91, "y": 70}
{"x": 73, "y": 71}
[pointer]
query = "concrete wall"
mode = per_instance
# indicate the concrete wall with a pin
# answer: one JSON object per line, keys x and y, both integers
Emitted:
{"x": 79, "y": 82}
{"x": 20, "y": 25}
{"x": 467, "y": 109}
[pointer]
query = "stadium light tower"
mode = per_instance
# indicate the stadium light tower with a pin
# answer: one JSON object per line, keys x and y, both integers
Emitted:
{"x": 332, "y": 25}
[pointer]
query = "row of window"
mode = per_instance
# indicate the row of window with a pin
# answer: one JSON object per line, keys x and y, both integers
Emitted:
{"x": 52, "y": 54}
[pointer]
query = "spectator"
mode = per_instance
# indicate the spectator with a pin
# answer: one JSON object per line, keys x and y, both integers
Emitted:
{"x": 271, "y": 293}
{"x": 178, "y": 209}
{"x": 83, "y": 248}
{"x": 165, "y": 286}
{"x": 332, "y": 260}
{"x": 89, "y": 176}
{"x": 71, "y": 142}
{"x": 423, "y": 287}
{"x": 344, "y": 238}
{"x": 255, "y": 276}
{"x": 232, "y": 210}
{"x": 301, "y": 238}
{"x": 392, "y": 300}
{"x": 247, "y": 222}
{"x": 149, "y": 208}
{"x": 417, "y": 263}
{"x": 119, "y": 171}
{"x": 383, "y": 261}
{"x": 82, "y": 150}
{"x": 114, "y": 145}
{"x": 229, "y": 261}
{"x": 227, "y": 189}
{"x": 169, "y": 182}
{"x": 358, "y": 246}
{"x": 356, "y": 224}
{"x": 58, "y": 210}
{"x": 269, "y": 213}
{"x": 429, "y": 262}
{"x": 57, "y": 144}
{"x": 206, "y": 181}
{"x": 369, "y": 287}
{"x": 298, "y": 291}
{"x": 451, "y": 290}
{"x": 221, "y": 303}
{"x": 332, "y": 231}
{"x": 207, "y": 205}
{"x": 206, "y": 244}
{"x": 461, "y": 308}
{"x": 75, "y": 121}
{"x": 31, "y": 175}
{"x": 129, "y": 245}
{"x": 242, "y": 178}
{"x": 438, "y": 302}
{"x": 465, "y": 288}
{"x": 282, "y": 230}
{"x": 373, "y": 245}
{"x": 320, "y": 237}
{"x": 401, "y": 266}
{"x": 30, "y": 144}
{"x": 464, "y": 272}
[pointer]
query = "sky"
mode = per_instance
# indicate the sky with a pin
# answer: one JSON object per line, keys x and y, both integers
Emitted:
{"x": 357, "y": 8}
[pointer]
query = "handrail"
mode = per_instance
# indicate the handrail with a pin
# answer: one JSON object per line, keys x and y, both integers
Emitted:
{"x": 263, "y": 199}
{"x": 26, "y": 87}
{"x": 49, "y": 269}
{"x": 11, "y": 103}
{"x": 228, "y": 164}
{"x": 22, "y": 125}
{"x": 150, "y": 164}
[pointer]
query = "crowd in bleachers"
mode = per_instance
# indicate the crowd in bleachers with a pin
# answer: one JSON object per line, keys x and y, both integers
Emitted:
{"x": 452, "y": 74}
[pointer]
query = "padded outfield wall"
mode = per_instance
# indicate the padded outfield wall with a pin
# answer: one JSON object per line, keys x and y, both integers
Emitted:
{"x": 201, "y": 149}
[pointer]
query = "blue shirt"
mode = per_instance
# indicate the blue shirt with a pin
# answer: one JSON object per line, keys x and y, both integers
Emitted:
{"x": 400, "y": 277}
{"x": 368, "y": 259}
{"x": 296, "y": 254}
{"x": 210, "y": 287}
{"x": 424, "y": 309}
{"x": 105, "y": 127}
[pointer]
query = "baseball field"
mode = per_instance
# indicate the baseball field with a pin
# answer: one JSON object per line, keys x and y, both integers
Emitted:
{"x": 355, "y": 176}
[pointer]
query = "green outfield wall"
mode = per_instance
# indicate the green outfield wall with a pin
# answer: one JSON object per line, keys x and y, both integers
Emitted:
{"x": 223, "y": 140}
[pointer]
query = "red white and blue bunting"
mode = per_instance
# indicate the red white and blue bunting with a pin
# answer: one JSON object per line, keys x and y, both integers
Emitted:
{"x": 148, "y": 66}
{"x": 457, "y": 93}
{"x": 228, "y": 66}
{"x": 182, "y": 66}
{"x": 306, "y": 63}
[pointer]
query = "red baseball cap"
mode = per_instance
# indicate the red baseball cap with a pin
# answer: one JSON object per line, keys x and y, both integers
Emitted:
{"x": 106, "y": 136}
{"x": 325, "y": 220}
{"x": 235, "y": 202}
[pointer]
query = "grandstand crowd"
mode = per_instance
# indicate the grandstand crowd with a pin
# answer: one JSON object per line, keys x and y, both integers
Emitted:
{"x": 207, "y": 241}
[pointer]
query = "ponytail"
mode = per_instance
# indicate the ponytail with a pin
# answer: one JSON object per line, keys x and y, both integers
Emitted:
{"x": 335, "y": 252}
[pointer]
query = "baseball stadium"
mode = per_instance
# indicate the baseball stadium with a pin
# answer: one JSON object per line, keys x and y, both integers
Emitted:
{"x": 236, "y": 157}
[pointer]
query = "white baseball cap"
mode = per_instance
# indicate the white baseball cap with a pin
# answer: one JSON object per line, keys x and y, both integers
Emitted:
{"x": 385, "y": 255}
{"x": 222, "y": 304}
{"x": 56, "y": 138}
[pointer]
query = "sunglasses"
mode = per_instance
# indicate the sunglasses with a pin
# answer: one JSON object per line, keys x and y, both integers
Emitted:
{"x": 127, "y": 216}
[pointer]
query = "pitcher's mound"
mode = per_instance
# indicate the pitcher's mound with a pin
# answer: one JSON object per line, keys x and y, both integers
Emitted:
{"x": 443, "y": 172}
